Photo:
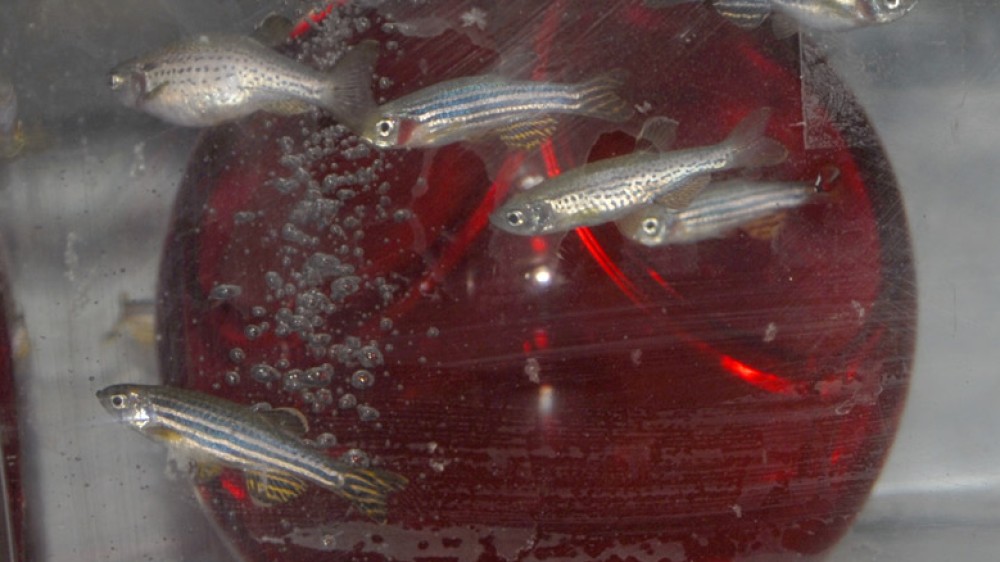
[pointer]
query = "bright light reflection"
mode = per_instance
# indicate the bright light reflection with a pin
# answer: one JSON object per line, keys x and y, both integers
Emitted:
{"x": 543, "y": 276}
{"x": 546, "y": 397}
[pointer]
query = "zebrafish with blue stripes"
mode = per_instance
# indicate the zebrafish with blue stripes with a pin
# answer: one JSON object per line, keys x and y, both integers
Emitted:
{"x": 757, "y": 208}
{"x": 825, "y": 15}
{"x": 265, "y": 444}
{"x": 522, "y": 113}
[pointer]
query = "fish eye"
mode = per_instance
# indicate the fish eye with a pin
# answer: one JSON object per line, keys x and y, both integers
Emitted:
{"x": 515, "y": 218}
{"x": 118, "y": 401}
{"x": 384, "y": 127}
{"x": 650, "y": 225}
{"x": 115, "y": 81}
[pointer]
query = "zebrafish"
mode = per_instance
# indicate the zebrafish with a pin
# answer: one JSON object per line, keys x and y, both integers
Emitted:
{"x": 12, "y": 138}
{"x": 826, "y": 15}
{"x": 265, "y": 444}
{"x": 211, "y": 79}
{"x": 522, "y": 113}
{"x": 609, "y": 189}
{"x": 755, "y": 207}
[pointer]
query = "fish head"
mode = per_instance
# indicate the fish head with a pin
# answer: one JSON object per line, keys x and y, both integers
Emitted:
{"x": 884, "y": 11}
{"x": 128, "y": 403}
{"x": 128, "y": 83}
{"x": 387, "y": 130}
{"x": 525, "y": 218}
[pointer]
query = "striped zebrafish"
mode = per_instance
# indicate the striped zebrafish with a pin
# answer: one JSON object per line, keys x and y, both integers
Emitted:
{"x": 265, "y": 444}
{"x": 608, "y": 190}
{"x": 827, "y": 15}
{"x": 522, "y": 113}
{"x": 758, "y": 208}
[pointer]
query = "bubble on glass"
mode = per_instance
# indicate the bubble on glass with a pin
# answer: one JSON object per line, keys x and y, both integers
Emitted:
{"x": 356, "y": 457}
{"x": 533, "y": 369}
{"x": 433, "y": 332}
{"x": 326, "y": 440}
{"x": 362, "y": 379}
{"x": 370, "y": 356}
{"x": 347, "y": 401}
{"x": 264, "y": 373}
{"x": 225, "y": 292}
{"x": 367, "y": 413}
{"x": 232, "y": 378}
{"x": 237, "y": 355}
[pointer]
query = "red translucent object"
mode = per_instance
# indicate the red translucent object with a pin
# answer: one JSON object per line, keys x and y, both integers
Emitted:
{"x": 583, "y": 397}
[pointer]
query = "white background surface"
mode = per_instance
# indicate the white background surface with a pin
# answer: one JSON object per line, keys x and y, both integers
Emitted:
{"x": 84, "y": 219}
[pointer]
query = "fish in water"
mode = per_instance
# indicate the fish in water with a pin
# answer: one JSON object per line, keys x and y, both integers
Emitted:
{"x": 265, "y": 444}
{"x": 758, "y": 208}
{"x": 212, "y": 79}
{"x": 521, "y": 112}
{"x": 609, "y": 189}
{"x": 826, "y": 15}
{"x": 11, "y": 131}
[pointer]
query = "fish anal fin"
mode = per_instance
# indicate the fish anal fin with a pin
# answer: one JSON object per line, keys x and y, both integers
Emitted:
{"x": 163, "y": 435}
{"x": 270, "y": 488}
{"x": 367, "y": 489}
{"x": 765, "y": 228}
{"x": 748, "y": 14}
{"x": 289, "y": 420}
{"x": 681, "y": 197}
{"x": 527, "y": 135}
{"x": 657, "y": 134}
{"x": 289, "y": 107}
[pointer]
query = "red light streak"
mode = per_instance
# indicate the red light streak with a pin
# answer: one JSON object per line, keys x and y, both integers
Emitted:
{"x": 763, "y": 380}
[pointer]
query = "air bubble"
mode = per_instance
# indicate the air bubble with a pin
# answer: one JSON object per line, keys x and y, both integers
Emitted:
{"x": 262, "y": 372}
{"x": 347, "y": 401}
{"x": 326, "y": 440}
{"x": 433, "y": 332}
{"x": 362, "y": 379}
{"x": 232, "y": 378}
{"x": 366, "y": 413}
{"x": 356, "y": 457}
{"x": 292, "y": 381}
{"x": 318, "y": 376}
{"x": 237, "y": 355}
{"x": 369, "y": 356}
{"x": 225, "y": 292}
{"x": 252, "y": 331}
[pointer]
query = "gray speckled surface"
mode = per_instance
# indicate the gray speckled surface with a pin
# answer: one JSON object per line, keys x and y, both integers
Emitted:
{"x": 83, "y": 221}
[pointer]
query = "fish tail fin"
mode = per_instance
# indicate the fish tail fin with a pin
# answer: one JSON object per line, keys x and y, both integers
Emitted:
{"x": 368, "y": 488}
{"x": 748, "y": 146}
{"x": 748, "y": 14}
{"x": 599, "y": 97}
{"x": 349, "y": 95}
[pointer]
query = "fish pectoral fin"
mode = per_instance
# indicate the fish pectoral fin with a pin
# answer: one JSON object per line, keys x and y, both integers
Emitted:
{"x": 679, "y": 198}
{"x": 269, "y": 488}
{"x": 765, "y": 228}
{"x": 783, "y": 26}
{"x": 155, "y": 92}
{"x": 746, "y": 14}
{"x": 658, "y": 134}
{"x": 163, "y": 435}
{"x": 528, "y": 135}
{"x": 289, "y": 107}
{"x": 274, "y": 30}
{"x": 289, "y": 420}
{"x": 206, "y": 471}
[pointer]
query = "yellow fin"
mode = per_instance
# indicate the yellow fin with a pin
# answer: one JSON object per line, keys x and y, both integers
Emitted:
{"x": 163, "y": 435}
{"x": 367, "y": 489}
{"x": 528, "y": 135}
{"x": 765, "y": 228}
{"x": 681, "y": 197}
{"x": 269, "y": 488}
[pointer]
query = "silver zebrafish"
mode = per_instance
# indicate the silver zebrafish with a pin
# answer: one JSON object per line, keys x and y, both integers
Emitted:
{"x": 520, "y": 112}
{"x": 718, "y": 211}
{"x": 211, "y": 79}
{"x": 607, "y": 190}
{"x": 263, "y": 443}
{"x": 827, "y": 15}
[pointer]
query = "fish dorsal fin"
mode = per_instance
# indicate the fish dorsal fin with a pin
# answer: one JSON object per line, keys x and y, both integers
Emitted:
{"x": 765, "y": 228}
{"x": 527, "y": 135}
{"x": 275, "y": 29}
{"x": 748, "y": 15}
{"x": 657, "y": 134}
{"x": 682, "y": 196}
{"x": 289, "y": 420}
{"x": 269, "y": 488}
{"x": 783, "y": 26}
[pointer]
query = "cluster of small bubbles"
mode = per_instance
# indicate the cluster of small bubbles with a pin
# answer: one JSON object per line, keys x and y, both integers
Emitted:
{"x": 274, "y": 281}
{"x": 244, "y": 217}
{"x": 366, "y": 413}
{"x": 344, "y": 287}
{"x": 237, "y": 355}
{"x": 356, "y": 457}
{"x": 291, "y": 381}
{"x": 402, "y": 215}
{"x": 232, "y": 378}
{"x": 225, "y": 292}
{"x": 362, "y": 379}
{"x": 264, "y": 373}
{"x": 347, "y": 401}
{"x": 293, "y": 234}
